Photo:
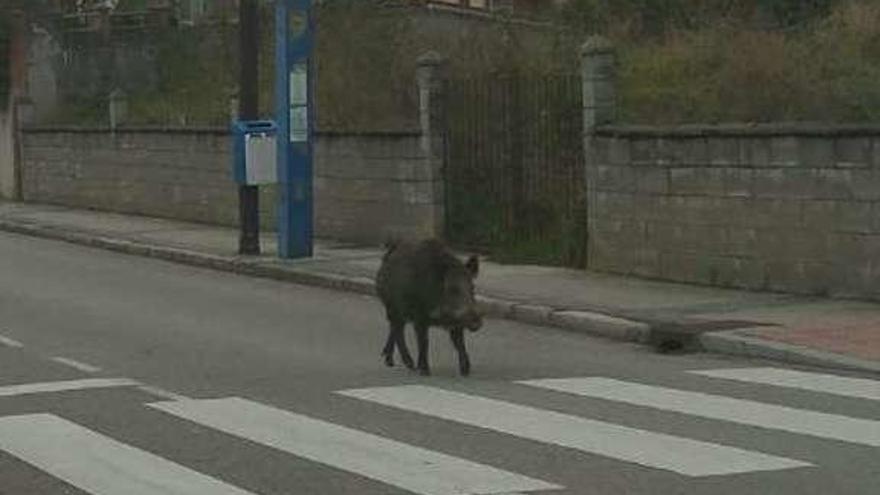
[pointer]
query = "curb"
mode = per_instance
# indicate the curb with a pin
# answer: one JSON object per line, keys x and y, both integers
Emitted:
{"x": 585, "y": 322}
{"x": 732, "y": 343}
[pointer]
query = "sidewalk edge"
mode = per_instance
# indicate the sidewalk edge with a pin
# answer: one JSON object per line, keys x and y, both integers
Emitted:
{"x": 732, "y": 343}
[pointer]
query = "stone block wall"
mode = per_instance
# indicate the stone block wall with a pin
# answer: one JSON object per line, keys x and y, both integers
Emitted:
{"x": 182, "y": 174}
{"x": 372, "y": 186}
{"x": 784, "y": 208}
{"x": 367, "y": 186}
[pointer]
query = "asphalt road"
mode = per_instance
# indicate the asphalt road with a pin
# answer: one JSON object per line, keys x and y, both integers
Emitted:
{"x": 130, "y": 376}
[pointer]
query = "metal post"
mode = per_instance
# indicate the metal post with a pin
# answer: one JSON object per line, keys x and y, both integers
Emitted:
{"x": 249, "y": 196}
{"x": 295, "y": 115}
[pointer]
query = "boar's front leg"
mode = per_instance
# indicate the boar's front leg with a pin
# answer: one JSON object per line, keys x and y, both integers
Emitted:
{"x": 400, "y": 339}
{"x": 464, "y": 361}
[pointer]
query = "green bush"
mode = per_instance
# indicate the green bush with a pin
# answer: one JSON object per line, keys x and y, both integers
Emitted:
{"x": 827, "y": 72}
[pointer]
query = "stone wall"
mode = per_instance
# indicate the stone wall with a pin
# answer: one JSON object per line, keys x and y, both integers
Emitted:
{"x": 371, "y": 186}
{"x": 787, "y": 208}
{"x": 367, "y": 186}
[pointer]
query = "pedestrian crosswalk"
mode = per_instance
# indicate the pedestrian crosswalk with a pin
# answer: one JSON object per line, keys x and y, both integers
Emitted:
{"x": 101, "y": 465}
{"x": 681, "y": 455}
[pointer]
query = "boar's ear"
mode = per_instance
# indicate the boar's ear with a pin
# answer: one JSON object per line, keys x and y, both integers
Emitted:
{"x": 473, "y": 266}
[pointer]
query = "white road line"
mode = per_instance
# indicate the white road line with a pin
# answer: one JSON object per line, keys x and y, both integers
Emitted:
{"x": 815, "y": 382}
{"x": 10, "y": 342}
{"x": 405, "y": 466}
{"x": 52, "y": 387}
{"x": 77, "y": 365}
{"x": 680, "y": 455}
{"x": 98, "y": 464}
{"x": 161, "y": 392}
{"x": 835, "y": 427}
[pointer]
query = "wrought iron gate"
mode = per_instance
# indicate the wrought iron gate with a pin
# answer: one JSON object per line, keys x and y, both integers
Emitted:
{"x": 515, "y": 168}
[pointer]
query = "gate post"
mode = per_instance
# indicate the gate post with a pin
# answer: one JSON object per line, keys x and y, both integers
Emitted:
{"x": 431, "y": 79}
{"x": 598, "y": 75}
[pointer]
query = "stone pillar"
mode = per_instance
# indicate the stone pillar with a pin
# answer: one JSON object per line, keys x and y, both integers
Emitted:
{"x": 11, "y": 113}
{"x": 598, "y": 76}
{"x": 7, "y": 149}
{"x": 233, "y": 108}
{"x": 431, "y": 79}
{"x": 25, "y": 112}
{"x": 117, "y": 108}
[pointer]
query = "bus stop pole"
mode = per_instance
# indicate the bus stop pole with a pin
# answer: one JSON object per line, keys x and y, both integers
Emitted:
{"x": 248, "y": 109}
{"x": 295, "y": 116}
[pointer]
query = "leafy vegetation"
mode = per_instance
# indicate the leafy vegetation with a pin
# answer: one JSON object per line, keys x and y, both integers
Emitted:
{"x": 742, "y": 60}
{"x": 679, "y": 61}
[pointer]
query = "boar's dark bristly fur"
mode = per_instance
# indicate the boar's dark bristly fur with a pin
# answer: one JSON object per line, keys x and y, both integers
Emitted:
{"x": 425, "y": 284}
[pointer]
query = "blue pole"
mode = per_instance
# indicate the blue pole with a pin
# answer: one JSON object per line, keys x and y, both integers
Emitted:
{"x": 294, "y": 34}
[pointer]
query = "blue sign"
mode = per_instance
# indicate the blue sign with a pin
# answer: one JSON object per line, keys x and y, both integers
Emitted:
{"x": 295, "y": 117}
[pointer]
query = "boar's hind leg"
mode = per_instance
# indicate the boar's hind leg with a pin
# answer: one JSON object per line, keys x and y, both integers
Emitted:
{"x": 464, "y": 361}
{"x": 396, "y": 337}
{"x": 388, "y": 350}
{"x": 422, "y": 336}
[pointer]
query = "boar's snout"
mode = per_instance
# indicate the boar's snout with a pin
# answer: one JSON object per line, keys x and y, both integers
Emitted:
{"x": 470, "y": 319}
{"x": 462, "y": 318}
{"x": 475, "y": 324}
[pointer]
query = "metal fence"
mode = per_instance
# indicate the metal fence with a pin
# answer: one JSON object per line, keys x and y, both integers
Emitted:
{"x": 514, "y": 175}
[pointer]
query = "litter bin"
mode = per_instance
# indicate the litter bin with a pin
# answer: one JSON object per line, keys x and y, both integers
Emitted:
{"x": 255, "y": 152}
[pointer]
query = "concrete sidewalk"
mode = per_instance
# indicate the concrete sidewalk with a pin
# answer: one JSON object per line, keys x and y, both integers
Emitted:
{"x": 832, "y": 333}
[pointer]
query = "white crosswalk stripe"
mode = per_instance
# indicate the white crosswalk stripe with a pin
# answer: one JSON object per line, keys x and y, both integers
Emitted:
{"x": 405, "y": 466}
{"x": 680, "y": 455}
{"x": 77, "y": 365}
{"x": 8, "y": 342}
{"x": 64, "y": 386}
{"x": 860, "y": 388}
{"x": 831, "y": 426}
{"x": 97, "y": 464}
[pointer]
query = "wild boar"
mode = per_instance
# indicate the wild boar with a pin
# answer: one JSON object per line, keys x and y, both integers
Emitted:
{"x": 425, "y": 284}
